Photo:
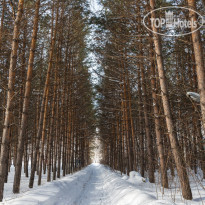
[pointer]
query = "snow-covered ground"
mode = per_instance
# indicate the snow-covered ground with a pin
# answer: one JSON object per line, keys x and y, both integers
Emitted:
{"x": 98, "y": 185}
{"x": 174, "y": 192}
{"x": 94, "y": 185}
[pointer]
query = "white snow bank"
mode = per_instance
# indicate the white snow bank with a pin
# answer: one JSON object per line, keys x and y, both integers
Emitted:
{"x": 124, "y": 193}
{"x": 64, "y": 191}
{"x": 135, "y": 178}
{"x": 174, "y": 193}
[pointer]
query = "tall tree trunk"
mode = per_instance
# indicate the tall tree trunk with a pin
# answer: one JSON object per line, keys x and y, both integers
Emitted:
{"x": 13, "y": 61}
{"x": 51, "y": 125}
{"x": 131, "y": 123}
{"x": 2, "y": 21}
{"x": 198, "y": 53}
{"x": 56, "y": 137}
{"x": 164, "y": 178}
{"x": 141, "y": 135}
{"x": 147, "y": 129}
{"x": 178, "y": 155}
{"x": 44, "y": 105}
{"x": 43, "y": 135}
{"x": 21, "y": 138}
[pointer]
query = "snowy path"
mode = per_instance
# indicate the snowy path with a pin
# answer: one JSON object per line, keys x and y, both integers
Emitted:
{"x": 95, "y": 185}
{"x": 94, "y": 192}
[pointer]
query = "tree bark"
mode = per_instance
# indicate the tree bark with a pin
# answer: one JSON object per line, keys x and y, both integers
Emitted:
{"x": 21, "y": 138}
{"x": 2, "y": 21}
{"x": 164, "y": 178}
{"x": 43, "y": 109}
{"x": 147, "y": 129}
{"x": 13, "y": 61}
{"x": 178, "y": 155}
{"x": 198, "y": 53}
{"x": 50, "y": 141}
{"x": 141, "y": 135}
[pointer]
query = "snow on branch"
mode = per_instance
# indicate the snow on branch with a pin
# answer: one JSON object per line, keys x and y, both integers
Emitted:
{"x": 194, "y": 96}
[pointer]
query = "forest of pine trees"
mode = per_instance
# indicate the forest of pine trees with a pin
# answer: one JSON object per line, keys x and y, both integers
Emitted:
{"x": 146, "y": 121}
{"x": 51, "y": 110}
{"x": 47, "y": 115}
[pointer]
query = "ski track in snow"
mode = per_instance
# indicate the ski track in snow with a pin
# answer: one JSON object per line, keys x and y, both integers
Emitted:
{"x": 94, "y": 185}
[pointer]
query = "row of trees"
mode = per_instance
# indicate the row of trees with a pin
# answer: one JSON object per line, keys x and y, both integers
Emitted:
{"x": 146, "y": 121}
{"x": 47, "y": 116}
